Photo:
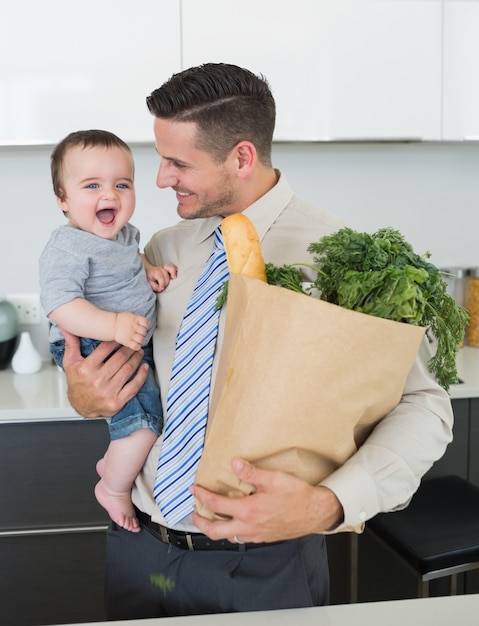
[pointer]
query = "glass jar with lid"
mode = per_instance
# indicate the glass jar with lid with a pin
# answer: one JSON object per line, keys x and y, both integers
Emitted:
{"x": 455, "y": 279}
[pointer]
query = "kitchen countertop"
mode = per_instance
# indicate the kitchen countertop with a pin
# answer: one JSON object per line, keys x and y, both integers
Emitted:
{"x": 43, "y": 396}
{"x": 468, "y": 371}
{"x": 444, "y": 611}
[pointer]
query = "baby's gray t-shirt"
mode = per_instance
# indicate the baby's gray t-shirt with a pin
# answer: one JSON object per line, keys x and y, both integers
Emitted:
{"x": 108, "y": 273}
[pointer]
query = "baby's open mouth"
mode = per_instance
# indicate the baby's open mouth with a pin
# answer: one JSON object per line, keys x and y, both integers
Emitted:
{"x": 106, "y": 216}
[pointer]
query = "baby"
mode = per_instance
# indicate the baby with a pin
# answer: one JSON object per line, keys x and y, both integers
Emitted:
{"x": 90, "y": 272}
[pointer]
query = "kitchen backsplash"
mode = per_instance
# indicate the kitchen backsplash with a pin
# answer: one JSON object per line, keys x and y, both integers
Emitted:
{"x": 428, "y": 191}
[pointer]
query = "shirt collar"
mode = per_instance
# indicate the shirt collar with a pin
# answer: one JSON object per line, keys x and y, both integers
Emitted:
{"x": 265, "y": 211}
{"x": 207, "y": 227}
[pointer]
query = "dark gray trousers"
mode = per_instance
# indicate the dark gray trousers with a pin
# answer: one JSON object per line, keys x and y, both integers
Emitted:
{"x": 147, "y": 578}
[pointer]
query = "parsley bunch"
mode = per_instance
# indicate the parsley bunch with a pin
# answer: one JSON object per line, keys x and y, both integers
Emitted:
{"x": 381, "y": 275}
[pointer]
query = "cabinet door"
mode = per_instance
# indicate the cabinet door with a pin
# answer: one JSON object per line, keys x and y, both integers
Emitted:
{"x": 461, "y": 71}
{"x": 339, "y": 69}
{"x": 48, "y": 474}
{"x": 52, "y": 579}
{"x": 455, "y": 459}
{"x": 52, "y": 538}
{"x": 66, "y": 66}
{"x": 474, "y": 443}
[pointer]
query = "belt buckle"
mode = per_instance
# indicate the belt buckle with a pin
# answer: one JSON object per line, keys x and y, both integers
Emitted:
{"x": 164, "y": 534}
{"x": 165, "y": 537}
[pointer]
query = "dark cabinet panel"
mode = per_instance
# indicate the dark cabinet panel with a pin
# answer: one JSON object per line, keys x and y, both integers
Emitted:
{"x": 55, "y": 579}
{"x": 474, "y": 442}
{"x": 52, "y": 537}
{"x": 455, "y": 459}
{"x": 48, "y": 474}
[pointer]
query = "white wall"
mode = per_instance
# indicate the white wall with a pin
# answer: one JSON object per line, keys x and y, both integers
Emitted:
{"x": 430, "y": 192}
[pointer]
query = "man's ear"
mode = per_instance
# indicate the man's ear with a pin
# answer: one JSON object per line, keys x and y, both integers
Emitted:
{"x": 246, "y": 157}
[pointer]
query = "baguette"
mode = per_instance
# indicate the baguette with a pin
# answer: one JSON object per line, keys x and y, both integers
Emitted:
{"x": 243, "y": 247}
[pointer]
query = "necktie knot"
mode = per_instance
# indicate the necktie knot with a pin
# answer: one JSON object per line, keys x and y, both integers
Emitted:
{"x": 218, "y": 241}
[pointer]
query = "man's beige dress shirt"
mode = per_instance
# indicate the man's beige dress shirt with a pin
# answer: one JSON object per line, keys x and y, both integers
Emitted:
{"x": 386, "y": 470}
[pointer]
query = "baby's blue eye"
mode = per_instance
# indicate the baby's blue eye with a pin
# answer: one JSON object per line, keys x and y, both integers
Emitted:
{"x": 92, "y": 186}
{"x": 122, "y": 186}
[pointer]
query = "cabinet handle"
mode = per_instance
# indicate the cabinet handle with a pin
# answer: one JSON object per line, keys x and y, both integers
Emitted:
{"x": 52, "y": 531}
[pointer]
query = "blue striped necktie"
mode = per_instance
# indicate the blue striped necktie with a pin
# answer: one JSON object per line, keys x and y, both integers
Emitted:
{"x": 188, "y": 396}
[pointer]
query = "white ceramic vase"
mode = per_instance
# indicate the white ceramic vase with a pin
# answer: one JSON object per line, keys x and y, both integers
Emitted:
{"x": 26, "y": 359}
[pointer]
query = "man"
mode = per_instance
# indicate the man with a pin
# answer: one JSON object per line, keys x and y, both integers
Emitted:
{"x": 213, "y": 129}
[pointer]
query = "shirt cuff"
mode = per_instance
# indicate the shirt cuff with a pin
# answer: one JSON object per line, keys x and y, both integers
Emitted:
{"x": 356, "y": 491}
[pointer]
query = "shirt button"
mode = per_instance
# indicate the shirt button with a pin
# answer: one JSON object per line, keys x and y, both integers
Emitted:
{"x": 362, "y": 516}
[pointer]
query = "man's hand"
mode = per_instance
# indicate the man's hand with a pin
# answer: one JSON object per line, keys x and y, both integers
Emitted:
{"x": 98, "y": 389}
{"x": 283, "y": 507}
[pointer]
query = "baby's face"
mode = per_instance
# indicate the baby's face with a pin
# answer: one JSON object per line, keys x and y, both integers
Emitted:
{"x": 99, "y": 189}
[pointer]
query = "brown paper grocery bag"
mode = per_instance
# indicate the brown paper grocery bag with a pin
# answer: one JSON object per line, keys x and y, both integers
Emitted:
{"x": 300, "y": 384}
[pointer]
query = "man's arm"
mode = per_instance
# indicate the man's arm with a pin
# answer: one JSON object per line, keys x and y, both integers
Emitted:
{"x": 99, "y": 389}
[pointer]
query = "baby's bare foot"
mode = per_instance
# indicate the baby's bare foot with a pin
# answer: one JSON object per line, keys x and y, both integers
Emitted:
{"x": 100, "y": 467}
{"x": 118, "y": 506}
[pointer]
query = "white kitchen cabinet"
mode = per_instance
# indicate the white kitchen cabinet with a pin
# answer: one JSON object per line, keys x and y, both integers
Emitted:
{"x": 339, "y": 69}
{"x": 461, "y": 71}
{"x": 67, "y": 66}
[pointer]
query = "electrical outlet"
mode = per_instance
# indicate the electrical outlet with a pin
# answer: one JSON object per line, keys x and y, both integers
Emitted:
{"x": 28, "y": 307}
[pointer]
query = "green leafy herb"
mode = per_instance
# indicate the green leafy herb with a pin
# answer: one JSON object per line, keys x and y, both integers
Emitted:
{"x": 286, "y": 276}
{"x": 222, "y": 296}
{"x": 381, "y": 275}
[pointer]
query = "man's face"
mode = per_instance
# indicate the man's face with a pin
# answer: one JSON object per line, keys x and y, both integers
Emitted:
{"x": 203, "y": 187}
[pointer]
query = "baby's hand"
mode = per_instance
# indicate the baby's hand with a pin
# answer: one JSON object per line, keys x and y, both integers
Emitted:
{"x": 159, "y": 275}
{"x": 130, "y": 330}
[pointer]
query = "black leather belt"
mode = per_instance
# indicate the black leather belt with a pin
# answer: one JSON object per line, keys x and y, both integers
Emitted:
{"x": 192, "y": 541}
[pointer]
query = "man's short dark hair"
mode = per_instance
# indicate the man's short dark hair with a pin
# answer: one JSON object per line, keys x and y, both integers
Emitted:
{"x": 228, "y": 104}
